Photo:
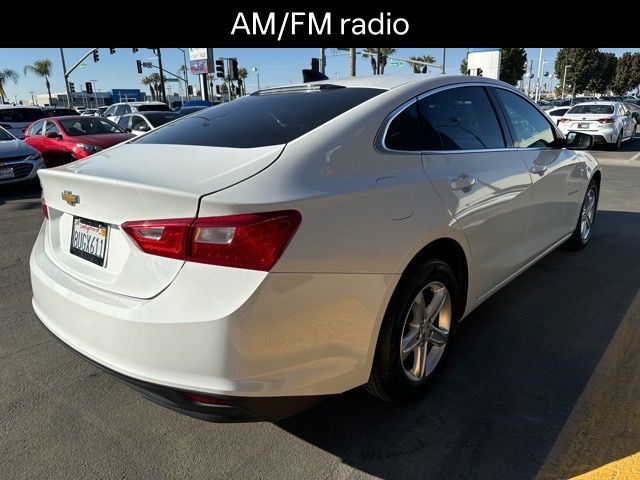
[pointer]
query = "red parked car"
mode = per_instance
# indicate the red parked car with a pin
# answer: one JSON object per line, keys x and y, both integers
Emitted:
{"x": 62, "y": 140}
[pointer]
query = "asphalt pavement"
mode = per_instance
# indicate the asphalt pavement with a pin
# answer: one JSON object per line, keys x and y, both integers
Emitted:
{"x": 542, "y": 382}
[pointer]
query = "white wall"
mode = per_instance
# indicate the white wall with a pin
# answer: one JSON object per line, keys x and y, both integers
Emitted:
{"x": 488, "y": 61}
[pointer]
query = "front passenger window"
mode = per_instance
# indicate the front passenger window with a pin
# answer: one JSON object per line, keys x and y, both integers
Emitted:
{"x": 529, "y": 127}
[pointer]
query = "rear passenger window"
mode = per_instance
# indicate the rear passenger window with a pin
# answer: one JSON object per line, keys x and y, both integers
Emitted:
{"x": 458, "y": 119}
{"x": 530, "y": 128}
{"x": 402, "y": 133}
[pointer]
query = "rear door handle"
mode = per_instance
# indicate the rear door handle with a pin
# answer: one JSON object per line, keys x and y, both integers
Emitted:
{"x": 463, "y": 182}
{"x": 539, "y": 169}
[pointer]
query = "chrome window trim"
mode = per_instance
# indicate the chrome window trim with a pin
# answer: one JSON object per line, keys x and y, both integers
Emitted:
{"x": 380, "y": 142}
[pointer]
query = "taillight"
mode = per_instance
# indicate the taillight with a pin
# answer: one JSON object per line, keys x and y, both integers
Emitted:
{"x": 43, "y": 204}
{"x": 167, "y": 238}
{"x": 254, "y": 241}
{"x": 606, "y": 120}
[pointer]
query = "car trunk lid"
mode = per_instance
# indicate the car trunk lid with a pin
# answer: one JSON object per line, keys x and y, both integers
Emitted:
{"x": 135, "y": 182}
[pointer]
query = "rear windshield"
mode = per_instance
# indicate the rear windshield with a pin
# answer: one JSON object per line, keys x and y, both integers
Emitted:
{"x": 60, "y": 112}
{"x": 77, "y": 127}
{"x": 160, "y": 118}
{"x": 153, "y": 108}
{"x": 598, "y": 109}
{"x": 261, "y": 120}
{"x": 26, "y": 115}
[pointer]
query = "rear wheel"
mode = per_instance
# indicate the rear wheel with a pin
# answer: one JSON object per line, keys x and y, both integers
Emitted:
{"x": 415, "y": 333}
{"x": 618, "y": 144}
{"x": 582, "y": 233}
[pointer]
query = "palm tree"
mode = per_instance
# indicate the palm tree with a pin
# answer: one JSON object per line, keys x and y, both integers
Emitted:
{"x": 242, "y": 77}
{"x": 384, "y": 52}
{"x": 5, "y": 75}
{"x": 417, "y": 67}
{"x": 42, "y": 68}
{"x": 152, "y": 81}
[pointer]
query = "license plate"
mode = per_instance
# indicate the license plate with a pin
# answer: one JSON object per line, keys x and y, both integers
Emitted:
{"x": 583, "y": 125}
{"x": 6, "y": 173}
{"x": 89, "y": 240}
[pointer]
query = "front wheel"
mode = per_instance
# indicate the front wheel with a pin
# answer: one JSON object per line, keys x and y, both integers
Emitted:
{"x": 582, "y": 233}
{"x": 415, "y": 333}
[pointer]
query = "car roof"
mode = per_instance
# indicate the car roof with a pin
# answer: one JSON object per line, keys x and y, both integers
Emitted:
{"x": 389, "y": 82}
{"x": 600, "y": 102}
{"x": 20, "y": 106}
{"x": 135, "y": 104}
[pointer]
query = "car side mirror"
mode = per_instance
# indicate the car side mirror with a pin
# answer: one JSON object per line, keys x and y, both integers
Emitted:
{"x": 53, "y": 135}
{"x": 143, "y": 128}
{"x": 128, "y": 130}
{"x": 579, "y": 141}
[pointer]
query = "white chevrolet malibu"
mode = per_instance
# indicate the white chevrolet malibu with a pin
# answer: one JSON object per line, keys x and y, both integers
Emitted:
{"x": 302, "y": 241}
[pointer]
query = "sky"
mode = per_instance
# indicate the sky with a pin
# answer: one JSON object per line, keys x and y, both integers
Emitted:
{"x": 276, "y": 66}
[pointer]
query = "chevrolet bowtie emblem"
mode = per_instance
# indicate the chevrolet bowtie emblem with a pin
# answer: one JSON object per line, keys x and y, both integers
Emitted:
{"x": 70, "y": 198}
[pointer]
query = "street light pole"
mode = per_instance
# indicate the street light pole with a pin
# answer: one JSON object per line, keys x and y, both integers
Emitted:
{"x": 95, "y": 90}
{"x": 66, "y": 80}
{"x": 186, "y": 78}
{"x": 539, "y": 77}
{"x": 564, "y": 79}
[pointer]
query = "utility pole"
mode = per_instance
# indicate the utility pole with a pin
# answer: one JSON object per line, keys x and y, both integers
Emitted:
{"x": 564, "y": 79}
{"x": 164, "y": 93}
{"x": 538, "y": 83}
{"x": 66, "y": 80}
{"x": 444, "y": 56}
{"x": 378, "y": 60}
{"x": 352, "y": 61}
{"x": 530, "y": 77}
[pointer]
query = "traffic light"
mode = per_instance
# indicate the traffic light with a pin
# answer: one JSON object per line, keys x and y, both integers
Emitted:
{"x": 315, "y": 64}
{"x": 139, "y": 65}
{"x": 88, "y": 86}
{"x": 479, "y": 72}
{"x": 220, "y": 68}
{"x": 112, "y": 51}
{"x": 233, "y": 68}
{"x": 96, "y": 55}
{"x": 190, "y": 90}
{"x": 72, "y": 87}
{"x": 134, "y": 50}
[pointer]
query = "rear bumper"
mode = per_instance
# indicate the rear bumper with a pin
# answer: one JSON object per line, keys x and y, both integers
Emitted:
{"x": 220, "y": 409}
{"x": 219, "y": 331}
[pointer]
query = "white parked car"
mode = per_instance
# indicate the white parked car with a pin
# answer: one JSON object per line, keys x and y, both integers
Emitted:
{"x": 306, "y": 240}
{"x": 139, "y": 123}
{"x": 16, "y": 118}
{"x": 19, "y": 163}
{"x": 115, "y": 111}
{"x": 608, "y": 122}
{"x": 556, "y": 113}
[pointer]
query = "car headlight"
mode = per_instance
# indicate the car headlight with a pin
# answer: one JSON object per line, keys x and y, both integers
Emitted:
{"x": 89, "y": 148}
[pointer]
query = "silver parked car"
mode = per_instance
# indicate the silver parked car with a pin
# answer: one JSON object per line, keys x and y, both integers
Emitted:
{"x": 19, "y": 163}
{"x": 305, "y": 240}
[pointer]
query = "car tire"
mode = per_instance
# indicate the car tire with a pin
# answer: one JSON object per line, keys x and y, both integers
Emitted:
{"x": 584, "y": 228}
{"x": 398, "y": 377}
{"x": 618, "y": 142}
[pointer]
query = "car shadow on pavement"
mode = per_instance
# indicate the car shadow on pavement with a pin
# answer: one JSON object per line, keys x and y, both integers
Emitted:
{"x": 520, "y": 364}
{"x": 20, "y": 192}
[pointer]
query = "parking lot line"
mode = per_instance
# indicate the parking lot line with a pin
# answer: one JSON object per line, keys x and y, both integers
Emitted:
{"x": 601, "y": 437}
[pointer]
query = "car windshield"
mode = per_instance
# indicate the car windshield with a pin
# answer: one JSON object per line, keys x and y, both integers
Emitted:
{"x": 160, "y": 118}
{"x": 270, "y": 118}
{"x": 77, "y": 127}
{"x": 4, "y": 135}
{"x": 153, "y": 108}
{"x": 597, "y": 109}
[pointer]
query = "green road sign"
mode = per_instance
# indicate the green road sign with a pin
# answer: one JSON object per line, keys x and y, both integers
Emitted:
{"x": 171, "y": 80}
{"x": 83, "y": 65}
{"x": 395, "y": 63}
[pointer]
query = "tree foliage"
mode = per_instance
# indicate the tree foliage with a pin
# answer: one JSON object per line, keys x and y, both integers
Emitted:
{"x": 584, "y": 67}
{"x": 42, "y": 68}
{"x": 464, "y": 66}
{"x": 383, "y": 51}
{"x": 627, "y": 76}
{"x": 417, "y": 67}
{"x": 513, "y": 64}
{"x": 6, "y": 75}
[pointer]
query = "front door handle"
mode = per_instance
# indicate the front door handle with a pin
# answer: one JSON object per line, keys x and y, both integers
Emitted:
{"x": 539, "y": 169}
{"x": 463, "y": 182}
